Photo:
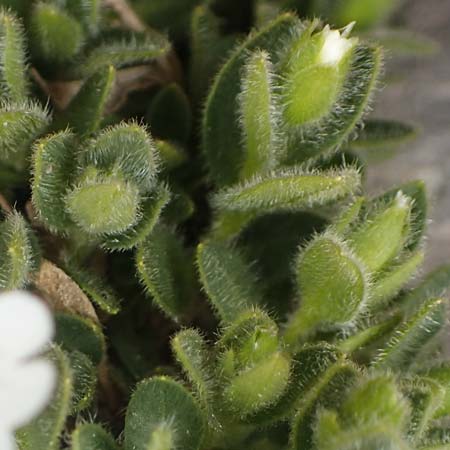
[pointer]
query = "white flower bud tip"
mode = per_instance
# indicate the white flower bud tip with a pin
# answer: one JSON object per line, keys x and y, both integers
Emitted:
{"x": 336, "y": 46}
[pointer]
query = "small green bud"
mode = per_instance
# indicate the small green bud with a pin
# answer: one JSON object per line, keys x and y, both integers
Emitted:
{"x": 383, "y": 236}
{"x": 315, "y": 74}
{"x": 332, "y": 285}
{"x": 103, "y": 205}
{"x": 56, "y": 35}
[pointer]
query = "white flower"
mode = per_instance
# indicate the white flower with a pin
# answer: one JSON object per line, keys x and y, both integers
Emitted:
{"x": 336, "y": 45}
{"x": 27, "y": 382}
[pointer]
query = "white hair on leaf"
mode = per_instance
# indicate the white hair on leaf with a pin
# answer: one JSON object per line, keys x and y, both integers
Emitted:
{"x": 27, "y": 382}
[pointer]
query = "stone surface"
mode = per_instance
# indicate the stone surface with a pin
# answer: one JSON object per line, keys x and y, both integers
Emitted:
{"x": 421, "y": 94}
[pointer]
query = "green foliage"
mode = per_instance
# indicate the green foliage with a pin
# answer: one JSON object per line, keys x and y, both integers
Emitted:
{"x": 279, "y": 292}
{"x": 44, "y": 432}
{"x": 162, "y": 414}
{"x": 89, "y": 436}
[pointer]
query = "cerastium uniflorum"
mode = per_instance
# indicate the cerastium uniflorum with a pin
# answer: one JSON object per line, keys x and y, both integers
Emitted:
{"x": 185, "y": 196}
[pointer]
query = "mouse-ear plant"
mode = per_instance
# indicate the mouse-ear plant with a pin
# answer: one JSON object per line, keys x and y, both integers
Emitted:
{"x": 219, "y": 279}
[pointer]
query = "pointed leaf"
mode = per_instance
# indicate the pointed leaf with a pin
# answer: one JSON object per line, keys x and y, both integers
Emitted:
{"x": 166, "y": 271}
{"x": 19, "y": 253}
{"x": 13, "y": 64}
{"x": 259, "y": 118}
{"x": 287, "y": 190}
{"x": 53, "y": 167}
{"x": 131, "y": 50}
{"x": 380, "y": 133}
{"x": 84, "y": 380}
{"x": 55, "y": 35}
{"x": 221, "y": 132}
{"x": 411, "y": 336}
{"x": 228, "y": 280}
{"x": 85, "y": 112}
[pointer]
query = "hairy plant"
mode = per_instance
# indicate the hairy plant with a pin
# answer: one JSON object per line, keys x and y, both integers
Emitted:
{"x": 193, "y": 214}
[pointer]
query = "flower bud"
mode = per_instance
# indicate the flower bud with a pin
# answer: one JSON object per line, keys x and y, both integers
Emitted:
{"x": 316, "y": 72}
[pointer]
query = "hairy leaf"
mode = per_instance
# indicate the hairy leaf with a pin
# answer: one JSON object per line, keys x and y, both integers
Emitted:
{"x": 162, "y": 414}
{"x": 411, "y": 336}
{"x": 228, "y": 280}
{"x": 19, "y": 254}
{"x": 89, "y": 436}
{"x": 166, "y": 270}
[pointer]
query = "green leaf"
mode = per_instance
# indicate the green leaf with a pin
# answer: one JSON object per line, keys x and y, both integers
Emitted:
{"x": 20, "y": 125}
{"x": 166, "y": 270}
{"x": 110, "y": 152}
{"x": 13, "y": 63}
{"x": 436, "y": 284}
{"x": 171, "y": 155}
{"x": 259, "y": 116}
{"x": 389, "y": 284}
{"x": 151, "y": 211}
{"x": 287, "y": 190}
{"x": 368, "y": 333}
{"x": 162, "y": 414}
{"x": 333, "y": 287}
{"x": 425, "y": 396}
{"x": 207, "y": 49}
{"x": 380, "y": 133}
{"x": 94, "y": 287}
{"x": 103, "y": 205}
{"x": 85, "y": 112}
{"x": 195, "y": 358}
{"x": 411, "y": 336}
{"x": 55, "y": 35}
{"x": 228, "y": 280}
{"x": 381, "y": 238}
{"x": 437, "y": 438}
{"x": 415, "y": 190}
{"x": 89, "y": 436}
{"x": 374, "y": 401}
{"x": 313, "y": 75}
{"x": 45, "y": 431}
{"x": 328, "y": 392}
{"x": 372, "y": 417}
{"x": 169, "y": 114}
{"x": 308, "y": 365}
{"x": 87, "y": 12}
{"x": 129, "y": 51}
{"x": 53, "y": 167}
{"x": 258, "y": 387}
{"x": 19, "y": 253}
{"x": 76, "y": 333}
{"x": 349, "y": 216}
{"x": 221, "y": 134}
{"x": 84, "y": 379}
{"x": 334, "y": 129}
{"x": 441, "y": 374}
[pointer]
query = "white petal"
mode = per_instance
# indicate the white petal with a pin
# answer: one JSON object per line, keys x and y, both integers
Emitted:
{"x": 25, "y": 390}
{"x": 7, "y": 441}
{"x": 26, "y": 325}
{"x": 335, "y": 47}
